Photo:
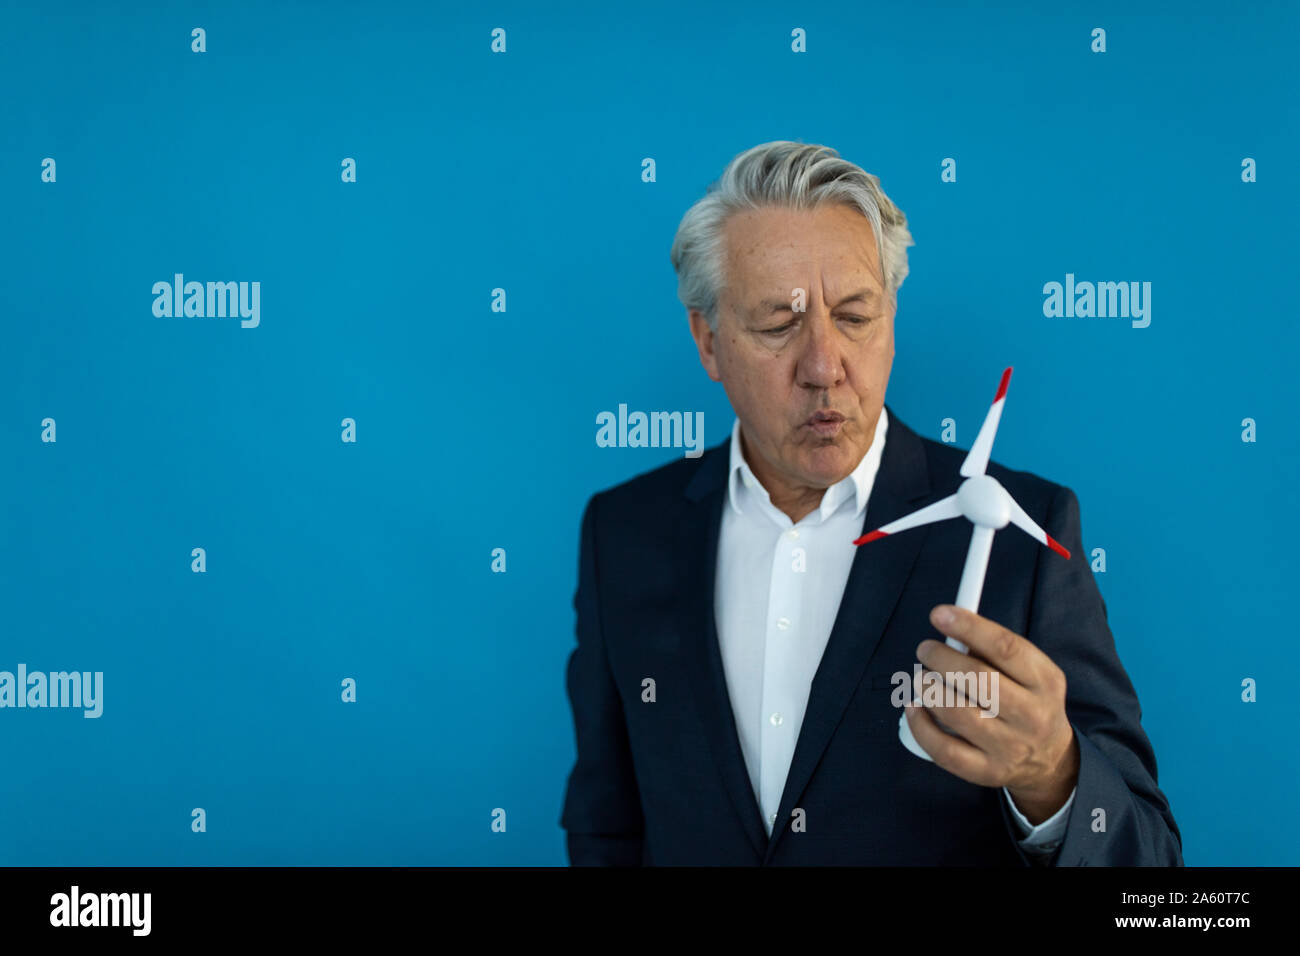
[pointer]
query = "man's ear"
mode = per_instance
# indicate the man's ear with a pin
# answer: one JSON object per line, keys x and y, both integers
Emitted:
{"x": 704, "y": 341}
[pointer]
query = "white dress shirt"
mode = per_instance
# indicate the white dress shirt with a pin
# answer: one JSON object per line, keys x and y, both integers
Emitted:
{"x": 777, "y": 593}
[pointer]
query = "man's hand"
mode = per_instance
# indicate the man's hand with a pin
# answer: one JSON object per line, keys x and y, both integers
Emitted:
{"x": 1029, "y": 747}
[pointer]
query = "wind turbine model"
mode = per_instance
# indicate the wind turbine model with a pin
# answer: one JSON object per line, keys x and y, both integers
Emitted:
{"x": 989, "y": 507}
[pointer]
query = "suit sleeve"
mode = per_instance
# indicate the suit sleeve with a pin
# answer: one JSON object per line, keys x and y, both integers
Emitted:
{"x": 602, "y": 807}
{"x": 1117, "y": 766}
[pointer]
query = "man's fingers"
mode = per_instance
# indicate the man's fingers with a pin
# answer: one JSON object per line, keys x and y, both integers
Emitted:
{"x": 965, "y": 715}
{"x": 992, "y": 689}
{"x": 951, "y": 753}
{"x": 1004, "y": 649}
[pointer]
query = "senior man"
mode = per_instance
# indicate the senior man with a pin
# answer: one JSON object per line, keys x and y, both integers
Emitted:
{"x": 732, "y": 682}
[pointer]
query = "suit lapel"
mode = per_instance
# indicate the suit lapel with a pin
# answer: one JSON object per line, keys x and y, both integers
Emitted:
{"x": 697, "y": 533}
{"x": 876, "y": 581}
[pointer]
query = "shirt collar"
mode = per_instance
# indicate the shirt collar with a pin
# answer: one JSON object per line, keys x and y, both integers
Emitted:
{"x": 858, "y": 484}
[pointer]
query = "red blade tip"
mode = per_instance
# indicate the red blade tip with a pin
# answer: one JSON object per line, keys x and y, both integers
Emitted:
{"x": 1056, "y": 546}
{"x": 1002, "y": 386}
{"x": 871, "y": 537}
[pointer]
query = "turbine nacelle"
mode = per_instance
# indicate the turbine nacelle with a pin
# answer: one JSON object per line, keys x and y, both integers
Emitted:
{"x": 983, "y": 500}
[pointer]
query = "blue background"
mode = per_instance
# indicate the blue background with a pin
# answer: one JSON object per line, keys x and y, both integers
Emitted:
{"x": 476, "y": 429}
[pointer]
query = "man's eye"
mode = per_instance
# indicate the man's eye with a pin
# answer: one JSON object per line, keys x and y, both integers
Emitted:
{"x": 783, "y": 329}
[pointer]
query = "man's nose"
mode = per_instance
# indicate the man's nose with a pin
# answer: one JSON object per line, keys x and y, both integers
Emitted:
{"x": 821, "y": 360}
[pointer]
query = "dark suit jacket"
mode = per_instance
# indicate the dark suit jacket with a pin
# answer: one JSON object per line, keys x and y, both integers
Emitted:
{"x": 665, "y": 783}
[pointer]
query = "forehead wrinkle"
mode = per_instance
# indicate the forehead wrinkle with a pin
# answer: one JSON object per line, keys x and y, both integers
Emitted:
{"x": 752, "y": 252}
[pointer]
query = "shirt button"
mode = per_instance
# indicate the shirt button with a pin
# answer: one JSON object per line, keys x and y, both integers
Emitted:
{"x": 783, "y": 623}
{"x": 749, "y": 482}
{"x": 773, "y": 818}
{"x": 776, "y": 720}
{"x": 793, "y": 532}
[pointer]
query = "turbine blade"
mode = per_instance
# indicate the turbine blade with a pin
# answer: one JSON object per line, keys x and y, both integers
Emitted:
{"x": 942, "y": 509}
{"x": 978, "y": 457}
{"x": 1026, "y": 524}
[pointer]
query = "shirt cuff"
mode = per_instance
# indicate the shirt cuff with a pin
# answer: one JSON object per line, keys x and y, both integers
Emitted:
{"x": 1046, "y": 837}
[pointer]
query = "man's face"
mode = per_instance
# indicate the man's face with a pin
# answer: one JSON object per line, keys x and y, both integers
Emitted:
{"x": 807, "y": 386}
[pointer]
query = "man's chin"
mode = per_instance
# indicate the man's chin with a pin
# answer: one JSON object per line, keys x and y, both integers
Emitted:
{"x": 829, "y": 464}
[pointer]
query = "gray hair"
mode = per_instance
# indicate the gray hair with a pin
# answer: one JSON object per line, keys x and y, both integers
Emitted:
{"x": 786, "y": 174}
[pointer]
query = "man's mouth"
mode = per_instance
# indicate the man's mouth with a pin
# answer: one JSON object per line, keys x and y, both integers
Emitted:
{"x": 825, "y": 423}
